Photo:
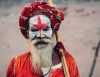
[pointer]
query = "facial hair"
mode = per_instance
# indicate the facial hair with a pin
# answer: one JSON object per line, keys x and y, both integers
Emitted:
{"x": 42, "y": 57}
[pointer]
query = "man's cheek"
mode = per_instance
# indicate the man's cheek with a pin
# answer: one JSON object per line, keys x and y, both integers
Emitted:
{"x": 48, "y": 33}
{"x": 32, "y": 34}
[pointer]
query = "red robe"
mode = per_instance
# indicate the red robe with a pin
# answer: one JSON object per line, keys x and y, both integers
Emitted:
{"x": 22, "y": 67}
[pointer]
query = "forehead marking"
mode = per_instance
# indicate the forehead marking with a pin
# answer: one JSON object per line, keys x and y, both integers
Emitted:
{"x": 39, "y": 25}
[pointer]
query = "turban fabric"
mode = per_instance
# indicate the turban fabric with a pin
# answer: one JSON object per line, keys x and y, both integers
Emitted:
{"x": 55, "y": 15}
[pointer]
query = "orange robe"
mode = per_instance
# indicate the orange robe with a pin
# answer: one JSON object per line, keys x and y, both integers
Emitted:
{"x": 22, "y": 67}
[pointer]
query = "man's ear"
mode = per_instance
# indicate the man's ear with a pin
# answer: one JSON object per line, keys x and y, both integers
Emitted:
{"x": 27, "y": 33}
{"x": 56, "y": 50}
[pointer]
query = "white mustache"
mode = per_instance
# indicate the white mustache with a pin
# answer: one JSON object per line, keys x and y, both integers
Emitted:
{"x": 42, "y": 41}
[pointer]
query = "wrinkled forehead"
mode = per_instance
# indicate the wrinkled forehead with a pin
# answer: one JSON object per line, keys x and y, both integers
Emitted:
{"x": 39, "y": 20}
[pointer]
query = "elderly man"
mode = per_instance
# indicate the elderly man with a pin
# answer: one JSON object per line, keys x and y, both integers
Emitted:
{"x": 39, "y": 23}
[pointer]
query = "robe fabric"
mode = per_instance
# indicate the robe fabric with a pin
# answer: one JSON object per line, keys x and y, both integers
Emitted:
{"x": 22, "y": 67}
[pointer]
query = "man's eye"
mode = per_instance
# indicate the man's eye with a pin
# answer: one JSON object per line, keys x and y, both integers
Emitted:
{"x": 46, "y": 29}
{"x": 34, "y": 30}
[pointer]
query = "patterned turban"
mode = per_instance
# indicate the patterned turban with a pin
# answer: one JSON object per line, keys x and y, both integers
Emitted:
{"x": 55, "y": 15}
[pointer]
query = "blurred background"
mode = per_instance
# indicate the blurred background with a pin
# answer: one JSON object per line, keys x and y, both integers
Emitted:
{"x": 80, "y": 33}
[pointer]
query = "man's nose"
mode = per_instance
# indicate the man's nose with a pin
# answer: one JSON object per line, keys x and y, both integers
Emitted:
{"x": 40, "y": 34}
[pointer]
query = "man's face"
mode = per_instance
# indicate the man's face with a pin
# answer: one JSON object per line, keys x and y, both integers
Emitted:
{"x": 42, "y": 40}
{"x": 39, "y": 29}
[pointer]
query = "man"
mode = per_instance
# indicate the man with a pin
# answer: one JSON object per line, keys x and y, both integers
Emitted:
{"x": 39, "y": 23}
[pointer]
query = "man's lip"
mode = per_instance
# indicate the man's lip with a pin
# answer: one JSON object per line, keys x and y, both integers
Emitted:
{"x": 41, "y": 44}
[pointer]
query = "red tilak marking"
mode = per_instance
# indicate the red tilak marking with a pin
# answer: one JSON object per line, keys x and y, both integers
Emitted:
{"x": 40, "y": 25}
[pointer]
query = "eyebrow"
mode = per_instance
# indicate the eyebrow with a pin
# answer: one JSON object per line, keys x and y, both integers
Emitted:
{"x": 33, "y": 27}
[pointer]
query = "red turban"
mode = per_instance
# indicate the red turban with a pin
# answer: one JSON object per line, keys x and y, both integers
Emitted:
{"x": 55, "y": 15}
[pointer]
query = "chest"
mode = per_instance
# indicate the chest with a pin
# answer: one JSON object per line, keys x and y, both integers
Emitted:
{"x": 27, "y": 71}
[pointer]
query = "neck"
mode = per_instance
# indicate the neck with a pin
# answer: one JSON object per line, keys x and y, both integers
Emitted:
{"x": 56, "y": 58}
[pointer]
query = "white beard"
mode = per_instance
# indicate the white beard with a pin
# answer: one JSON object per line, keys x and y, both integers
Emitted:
{"x": 42, "y": 57}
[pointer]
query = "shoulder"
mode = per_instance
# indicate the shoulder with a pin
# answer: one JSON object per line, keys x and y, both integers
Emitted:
{"x": 71, "y": 63}
{"x": 23, "y": 55}
{"x": 17, "y": 63}
{"x": 72, "y": 66}
{"x": 69, "y": 58}
{"x": 10, "y": 71}
{"x": 22, "y": 58}
{"x": 18, "y": 59}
